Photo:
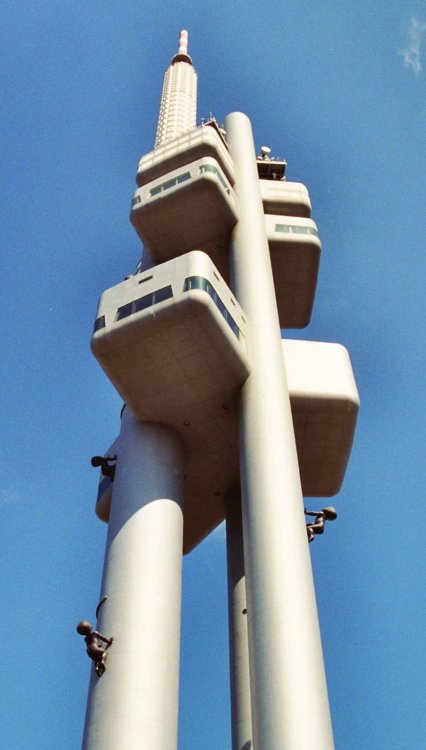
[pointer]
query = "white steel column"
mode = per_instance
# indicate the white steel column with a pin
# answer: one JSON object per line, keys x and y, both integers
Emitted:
{"x": 288, "y": 688}
{"x": 238, "y": 637}
{"x": 134, "y": 704}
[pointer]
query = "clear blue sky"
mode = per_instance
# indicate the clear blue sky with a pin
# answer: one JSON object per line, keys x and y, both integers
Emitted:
{"x": 337, "y": 89}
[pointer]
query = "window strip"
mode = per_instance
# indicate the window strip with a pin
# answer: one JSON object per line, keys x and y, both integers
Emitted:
{"x": 199, "y": 282}
{"x": 142, "y": 303}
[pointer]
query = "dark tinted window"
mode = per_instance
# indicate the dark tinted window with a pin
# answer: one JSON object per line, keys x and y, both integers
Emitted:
{"x": 183, "y": 177}
{"x": 162, "y": 294}
{"x": 99, "y": 323}
{"x": 194, "y": 282}
{"x": 142, "y": 303}
{"x": 124, "y": 311}
{"x": 168, "y": 184}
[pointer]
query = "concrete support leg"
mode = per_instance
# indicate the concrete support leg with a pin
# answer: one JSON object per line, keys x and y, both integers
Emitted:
{"x": 134, "y": 704}
{"x": 238, "y": 636}
{"x": 288, "y": 687}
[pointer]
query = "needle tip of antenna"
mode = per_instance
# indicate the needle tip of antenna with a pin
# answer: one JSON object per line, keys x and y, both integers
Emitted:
{"x": 183, "y": 42}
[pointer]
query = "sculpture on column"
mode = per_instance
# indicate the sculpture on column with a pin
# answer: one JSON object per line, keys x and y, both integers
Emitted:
{"x": 321, "y": 516}
{"x": 96, "y": 645}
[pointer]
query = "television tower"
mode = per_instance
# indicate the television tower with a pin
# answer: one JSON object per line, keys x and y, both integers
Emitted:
{"x": 222, "y": 419}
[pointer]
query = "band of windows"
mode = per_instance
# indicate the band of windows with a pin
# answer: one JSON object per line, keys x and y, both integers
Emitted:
{"x": 191, "y": 282}
{"x": 170, "y": 183}
{"x": 293, "y": 229}
{"x": 183, "y": 178}
{"x": 142, "y": 303}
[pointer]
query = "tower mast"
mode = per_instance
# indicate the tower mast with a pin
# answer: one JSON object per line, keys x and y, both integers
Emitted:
{"x": 178, "y": 107}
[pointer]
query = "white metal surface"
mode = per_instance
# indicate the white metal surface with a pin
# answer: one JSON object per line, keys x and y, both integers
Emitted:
{"x": 135, "y": 702}
{"x": 242, "y": 735}
{"x": 288, "y": 687}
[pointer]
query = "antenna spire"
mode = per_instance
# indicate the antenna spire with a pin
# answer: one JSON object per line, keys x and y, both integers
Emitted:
{"x": 178, "y": 108}
{"x": 182, "y": 53}
{"x": 183, "y": 42}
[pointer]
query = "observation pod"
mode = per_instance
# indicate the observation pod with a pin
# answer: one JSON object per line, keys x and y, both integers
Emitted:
{"x": 205, "y": 140}
{"x": 295, "y": 250}
{"x": 190, "y": 207}
{"x": 285, "y": 198}
{"x": 324, "y": 404}
{"x": 171, "y": 338}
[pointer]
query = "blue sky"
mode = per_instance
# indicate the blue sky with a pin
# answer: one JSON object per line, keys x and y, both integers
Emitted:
{"x": 339, "y": 91}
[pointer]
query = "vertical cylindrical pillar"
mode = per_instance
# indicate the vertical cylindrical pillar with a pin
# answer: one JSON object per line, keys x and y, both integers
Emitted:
{"x": 238, "y": 637}
{"x": 134, "y": 704}
{"x": 288, "y": 687}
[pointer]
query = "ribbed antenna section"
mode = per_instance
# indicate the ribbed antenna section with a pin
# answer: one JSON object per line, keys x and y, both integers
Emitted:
{"x": 183, "y": 42}
{"x": 178, "y": 107}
